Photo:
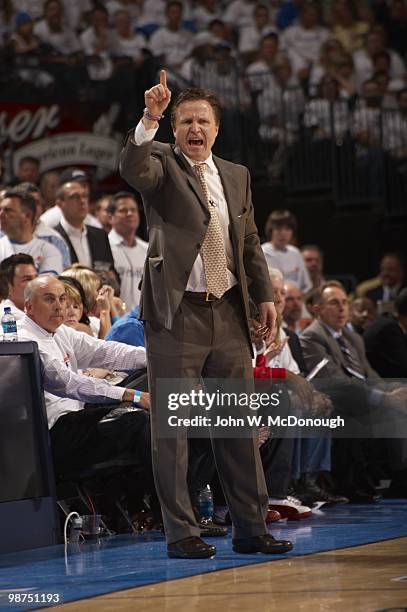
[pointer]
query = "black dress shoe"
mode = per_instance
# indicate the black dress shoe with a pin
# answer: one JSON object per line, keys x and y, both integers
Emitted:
{"x": 363, "y": 497}
{"x": 190, "y": 548}
{"x": 210, "y": 530}
{"x": 265, "y": 544}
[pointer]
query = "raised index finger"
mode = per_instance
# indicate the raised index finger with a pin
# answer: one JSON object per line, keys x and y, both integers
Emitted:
{"x": 163, "y": 78}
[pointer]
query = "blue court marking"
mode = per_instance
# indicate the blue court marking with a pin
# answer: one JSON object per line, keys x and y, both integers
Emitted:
{"x": 123, "y": 562}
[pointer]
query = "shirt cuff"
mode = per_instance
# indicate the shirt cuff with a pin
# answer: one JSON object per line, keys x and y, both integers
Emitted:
{"x": 141, "y": 135}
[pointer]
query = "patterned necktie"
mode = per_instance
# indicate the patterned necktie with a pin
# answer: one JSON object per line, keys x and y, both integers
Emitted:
{"x": 351, "y": 359}
{"x": 213, "y": 249}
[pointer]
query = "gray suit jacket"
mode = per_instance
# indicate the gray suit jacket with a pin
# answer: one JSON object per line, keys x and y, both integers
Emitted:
{"x": 317, "y": 342}
{"x": 177, "y": 217}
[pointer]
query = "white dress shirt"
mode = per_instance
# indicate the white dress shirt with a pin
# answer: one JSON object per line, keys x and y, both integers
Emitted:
{"x": 79, "y": 240}
{"x": 129, "y": 264}
{"x": 64, "y": 353}
{"x": 197, "y": 279}
{"x": 52, "y": 217}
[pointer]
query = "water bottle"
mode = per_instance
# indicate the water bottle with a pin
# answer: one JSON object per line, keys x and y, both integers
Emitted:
{"x": 9, "y": 326}
{"x": 76, "y": 529}
{"x": 205, "y": 504}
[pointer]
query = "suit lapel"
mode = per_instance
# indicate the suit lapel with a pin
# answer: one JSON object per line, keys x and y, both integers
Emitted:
{"x": 335, "y": 349}
{"x": 232, "y": 195}
{"x": 191, "y": 177}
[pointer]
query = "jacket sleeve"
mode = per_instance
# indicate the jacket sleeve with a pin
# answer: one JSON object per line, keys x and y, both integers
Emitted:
{"x": 140, "y": 167}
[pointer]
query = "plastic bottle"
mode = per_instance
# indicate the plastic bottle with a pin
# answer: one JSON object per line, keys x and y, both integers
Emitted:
{"x": 205, "y": 504}
{"x": 76, "y": 529}
{"x": 9, "y": 326}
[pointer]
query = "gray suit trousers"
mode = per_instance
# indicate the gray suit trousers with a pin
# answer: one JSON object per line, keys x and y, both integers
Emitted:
{"x": 207, "y": 339}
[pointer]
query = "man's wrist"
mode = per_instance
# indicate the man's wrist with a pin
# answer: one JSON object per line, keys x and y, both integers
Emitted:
{"x": 137, "y": 397}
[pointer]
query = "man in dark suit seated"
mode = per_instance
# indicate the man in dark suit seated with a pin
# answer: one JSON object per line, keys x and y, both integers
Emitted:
{"x": 345, "y": 374}
{"x": 386, "y": 341}
{"x": 392, "y": 275}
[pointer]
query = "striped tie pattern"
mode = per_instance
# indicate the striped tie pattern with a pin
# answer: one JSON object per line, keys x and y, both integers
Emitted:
{"x": 213, "y": 249}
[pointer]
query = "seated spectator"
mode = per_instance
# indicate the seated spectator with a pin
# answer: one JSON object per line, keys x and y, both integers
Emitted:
{"x": 17, "y": 271}
{"x": 261, "y": 71}
{"x": 17, "y": 218}
{"x": 362, "y": 314}
{"x": 131, "y": 7}
{"x": 87, "y": 245}
{"x": 303, "y": 42}
{"x": 43, "y": 231}
{"x": 239, "y": 14}
{"x": 101, "y": 306}
{"x": 280, "y": 229}
{"x": 128, "y": 329}
{"x": 152, "y": 16}
{"x": 293, "y": 314}
{"x": 280, "y": 106}
{"x": 129, "y": 251}
{"x": 331, "y": 52}
{"x": 125, "y": 42}
{"x": 98, "y": 43}
{"x": 329, "y": 338}
{"x": 250, "y": 36}
{"x": 367, "y": 132}
{"x": 204, "y": 12}
{"x": 76, "y": 437}
{"x": 28, "y": 171}
{"x": 314, "y": 262}
{"x": 101, "y": 213}
{"x": 53, "y": 214}
{"x": 76, "y": 315}
{"x": 171, "y": 44}
{"x": 382, "y": 64}
{"x": 345, "y": 28}
{"x": 392, "y": 277}
{"x": 328, "y": 116}
{"x": 52, "y": 31}
{"x": 49, "y": 183}
{"x": 386, "y": 340}
{"x": 364, "y": 58}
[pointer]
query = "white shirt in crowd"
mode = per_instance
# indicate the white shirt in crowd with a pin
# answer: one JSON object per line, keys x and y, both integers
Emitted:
{"x": 64, "y": 41}
{"x": 303, "y": 45}
{"x": 250, "y": 37}
{"x": 46, "y": 256}
{"x": 239, "y": 13}
{"x": 79, "y": 240}
{"x": 16, "y": 312}
{"x": 129, "y": 47}
{"x": 53, "y": 237}
{"x": 64, "y": 353}
{"x": 129, "y": 263}
{"x": 175, "y": 46}
{"x": 290, "y": 263}
{"x": 197, "y": 280}
{"x": 53, "y": 216}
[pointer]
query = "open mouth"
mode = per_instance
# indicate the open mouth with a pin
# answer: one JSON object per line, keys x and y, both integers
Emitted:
{"x": 195, "y": 142}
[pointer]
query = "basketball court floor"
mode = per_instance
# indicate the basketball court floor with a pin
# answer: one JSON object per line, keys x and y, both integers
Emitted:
{"x": 351, "y": 557}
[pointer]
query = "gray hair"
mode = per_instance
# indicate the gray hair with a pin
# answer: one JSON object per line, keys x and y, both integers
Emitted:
{"x": 37, "y": 283}
{"x": 275, "y": 273}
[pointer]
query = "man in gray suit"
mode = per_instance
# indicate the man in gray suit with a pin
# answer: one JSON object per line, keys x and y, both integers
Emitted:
{"x": 203, "y": 261}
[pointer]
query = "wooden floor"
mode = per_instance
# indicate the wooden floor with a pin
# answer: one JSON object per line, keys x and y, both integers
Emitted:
{"x": 362, "y": 578}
